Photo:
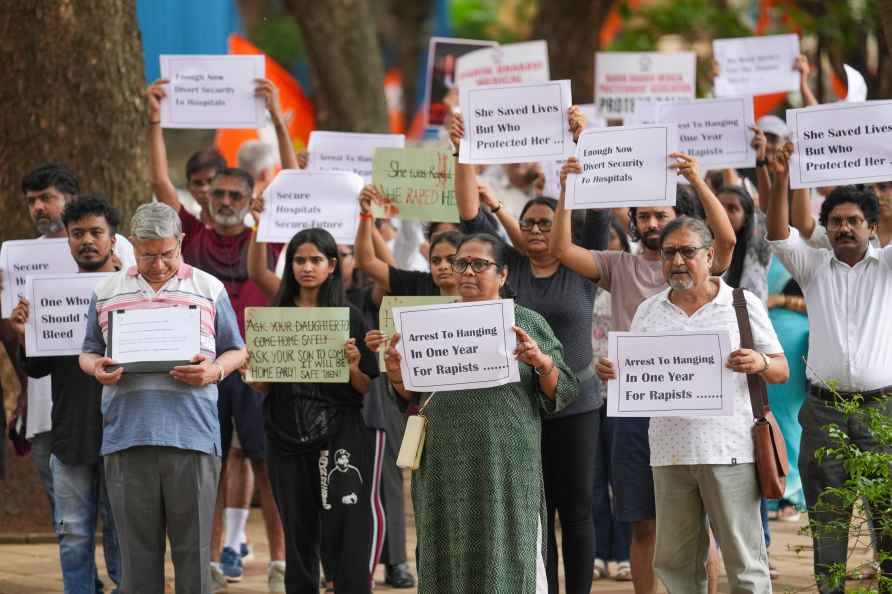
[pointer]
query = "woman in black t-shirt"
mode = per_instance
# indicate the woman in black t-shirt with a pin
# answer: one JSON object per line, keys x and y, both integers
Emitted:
{"x": 324, "y": 463}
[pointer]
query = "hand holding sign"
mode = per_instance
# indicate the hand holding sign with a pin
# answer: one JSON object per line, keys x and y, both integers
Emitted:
{"x": 19, "y": 318}
{"x": 393, "y": 360}
{"x": 201, "y": 371}
{"x": 747, "y": 361}
{"x": 269, "y": 92}
{"x": 104, "y": 377}
{"x": 351, "y": 352}
{"x": 528, "y": 352}
{"x": 154, "y": 95}
{"x": 686, "y": 166}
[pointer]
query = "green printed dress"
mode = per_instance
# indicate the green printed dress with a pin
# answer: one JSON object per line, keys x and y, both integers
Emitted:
{"x": 478, "y": 494}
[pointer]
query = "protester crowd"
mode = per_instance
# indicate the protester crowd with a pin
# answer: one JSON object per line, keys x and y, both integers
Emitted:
{"x": 178, "y": 456}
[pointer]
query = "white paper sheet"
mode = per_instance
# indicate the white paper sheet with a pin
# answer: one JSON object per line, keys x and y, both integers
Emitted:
{"x": 348, "y": 151}
{"x": 625, "y": 79}
{"x": 27, "y": 257}
{"x": 756, "y": 65}
{"x": 153, "y": 335}
{"x": 57, "y": 318}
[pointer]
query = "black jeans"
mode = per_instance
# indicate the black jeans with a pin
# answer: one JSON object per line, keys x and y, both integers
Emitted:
{"x": 569, "y": 447}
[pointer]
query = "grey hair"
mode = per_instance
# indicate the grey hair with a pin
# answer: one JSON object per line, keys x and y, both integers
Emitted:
{"x": 691, "y": 223}
{"x": 155, "y": 220}
{"x": 255, "y": 157}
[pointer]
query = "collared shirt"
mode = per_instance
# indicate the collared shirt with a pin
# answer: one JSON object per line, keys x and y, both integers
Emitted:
{"x": 155, "y": 409}
{"x": 848, "y": 319}
{"x": 707, "y": 439}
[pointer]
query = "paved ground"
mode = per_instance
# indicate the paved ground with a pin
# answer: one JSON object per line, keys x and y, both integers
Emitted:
{"x": 34, "y": 568}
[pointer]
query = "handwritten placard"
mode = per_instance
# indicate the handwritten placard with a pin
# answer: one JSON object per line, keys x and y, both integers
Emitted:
{"x": 212, "y": 92}
{"x": 756, "y": 65}
{"x": 517, "y": 123}
{"x": 297, "y": 344}
{"x": 624, "y": 166}
{"x": 385, "y": 312}
{"x": 715, "y": 131}
{"x": 57, "y": 319}
{"x": 625, "y": 79}
{"x": 670, "y": 374}
{"x": 510, "y": 64}
{"x": 22, "y": 258}
{"x": 348, "y": 151}
{"x": 418, "y": 183}
{"x": 841, "y": 143}
{"x": 297, "y": 200}
{"x": 459, "y": 346}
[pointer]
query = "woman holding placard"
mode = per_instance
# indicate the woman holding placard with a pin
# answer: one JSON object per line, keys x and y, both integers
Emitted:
{"x": 479, "y": 494}
{"x": 324, "y": 463}
{"x": 565, "y": 299}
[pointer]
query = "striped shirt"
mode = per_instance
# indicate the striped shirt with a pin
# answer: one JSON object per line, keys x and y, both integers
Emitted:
{"x": 155, "y": 409}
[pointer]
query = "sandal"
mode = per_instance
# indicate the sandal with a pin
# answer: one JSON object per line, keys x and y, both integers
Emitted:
{"x": 788, "y": 513}
{"x": 600, "y": 570}
{"x": 623, "y": 572}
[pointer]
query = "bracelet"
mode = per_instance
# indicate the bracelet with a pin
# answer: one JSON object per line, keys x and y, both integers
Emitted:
{"x": 767, "y": 362}
{"x": 396, "y": 382}
{"x": 497, "y": 208}
{"x": 366, "y": 216}
{"x": 542, "y": 373}
{"x": 786, "y": 304}
{"x": 761, "y": 162}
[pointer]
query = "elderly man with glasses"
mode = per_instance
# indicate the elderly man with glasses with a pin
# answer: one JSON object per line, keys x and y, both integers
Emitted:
{"x": 161, "y": 435}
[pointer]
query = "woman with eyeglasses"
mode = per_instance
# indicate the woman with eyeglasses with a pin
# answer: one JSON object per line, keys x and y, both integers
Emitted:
{"x": 478, "y": 493}
{"x": 565, "y": 299}
{"x": 324, "y": 462}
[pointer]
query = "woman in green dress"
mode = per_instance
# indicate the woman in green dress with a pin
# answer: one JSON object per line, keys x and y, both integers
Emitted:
{"x": 478, "y": 494}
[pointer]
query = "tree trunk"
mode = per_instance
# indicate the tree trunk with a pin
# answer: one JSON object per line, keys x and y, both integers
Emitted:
{"x": 572, "y": 28}
{"x": 884, "y": 11}
{"x": 345, "y": 64}
{"x": 71, "y": 85}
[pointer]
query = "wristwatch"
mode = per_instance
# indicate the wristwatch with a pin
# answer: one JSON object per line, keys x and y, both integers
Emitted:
{"x": 761, "y": 162}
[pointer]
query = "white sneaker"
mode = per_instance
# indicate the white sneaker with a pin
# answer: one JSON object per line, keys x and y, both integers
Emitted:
{"x": 218, "y": 579}
{"x": 276, "y": 577}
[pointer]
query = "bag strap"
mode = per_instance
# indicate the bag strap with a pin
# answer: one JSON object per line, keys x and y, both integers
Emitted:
{"x": 426, "y": 402}
{"x": 755, "y": 382}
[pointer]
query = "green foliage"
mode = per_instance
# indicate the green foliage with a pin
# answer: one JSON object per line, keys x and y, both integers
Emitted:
{"x": 868, "y": 489}
{"x": 505, "y": 21}
{"x": 279, "y": 38}
{"x": 692, "y": 20}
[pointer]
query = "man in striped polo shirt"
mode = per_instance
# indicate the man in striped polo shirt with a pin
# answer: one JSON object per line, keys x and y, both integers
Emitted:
{"x": 161, "y": 433}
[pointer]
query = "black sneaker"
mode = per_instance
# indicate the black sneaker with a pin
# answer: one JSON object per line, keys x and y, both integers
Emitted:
{"x": 399, "y": 576}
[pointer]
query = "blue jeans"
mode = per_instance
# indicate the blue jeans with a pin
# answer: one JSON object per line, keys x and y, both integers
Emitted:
{"x": 80, "y": 499}
{"x": 41, "y": 444}
{"x": 611, "y": 535}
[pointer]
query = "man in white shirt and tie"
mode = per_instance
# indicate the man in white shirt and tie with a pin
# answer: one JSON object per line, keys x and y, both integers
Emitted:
{"x": 847, "y": 290}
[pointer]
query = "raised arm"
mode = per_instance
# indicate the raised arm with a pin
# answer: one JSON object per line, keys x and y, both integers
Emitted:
{"x": 159, "y": 178}
{"x": 466, "y": 194}
{"x": 777, "y": 223}
{"x": 763, "y": 177}
{"x": 801, "y": 64}
{"x": 258, "y": 259}
{"x": 572, "y": 256}
{"x": 716, "y": 216}
{"x": 364, "y": 247}
{"x": 270, "y": 94}
{"x": 508, "y": 222}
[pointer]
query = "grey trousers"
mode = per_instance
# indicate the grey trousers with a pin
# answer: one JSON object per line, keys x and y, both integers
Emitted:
{"x": 831, "y": 548}
{"x": 155, "y": 491}
{"x": 729, "y": 496}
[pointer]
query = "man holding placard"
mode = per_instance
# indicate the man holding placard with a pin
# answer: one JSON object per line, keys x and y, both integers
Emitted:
{"x": 75, "y": 463}
{"x": 703, "y": 465}
{"x": 221, "y": 248}
{"x": 161, "y": 434}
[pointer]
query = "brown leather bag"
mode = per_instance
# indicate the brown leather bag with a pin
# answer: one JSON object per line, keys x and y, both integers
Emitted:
{"x": 769, "y": 450}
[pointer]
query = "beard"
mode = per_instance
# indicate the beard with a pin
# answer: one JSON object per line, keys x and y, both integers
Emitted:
{"x": 681, "y": 282}
{"x": 228, "y": 217}
{"x": 652, "y": 242}
{"x": 49, "y": 226}
{"x": 92, "y": 265}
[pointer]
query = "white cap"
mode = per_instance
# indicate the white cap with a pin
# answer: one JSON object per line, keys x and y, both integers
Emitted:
{"x": 771, "y": 124}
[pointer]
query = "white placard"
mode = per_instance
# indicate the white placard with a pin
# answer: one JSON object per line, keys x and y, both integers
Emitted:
{"x": 516, "y": 124}
{"x": 670, "y": 374}
{"x": 624, "y": 79}
{"x": 348, "y": 151}
{"x": 164, "y": 334}
{"x": 26, "y": 257}
{"x": 715, "y": 131}
{"x": 212, "y": 91}
{"x": 841, "y": 143}
{"x": 624, "y": 166}
{"x": 57, "y": 319}
{"x": 551, "y": 168}
{"x": 511, "y": 64}
{"x": 756, "y": 65}
{"x": 297, "y": 200}
{"x": 458, "y": 346}
{"x": 856, "y": 86}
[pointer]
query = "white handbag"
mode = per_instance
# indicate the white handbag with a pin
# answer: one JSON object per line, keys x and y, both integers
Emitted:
{"x": 413, "y": 439}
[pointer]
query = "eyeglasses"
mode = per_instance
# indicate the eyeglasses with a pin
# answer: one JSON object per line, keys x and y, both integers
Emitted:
{"x": 543, "y": 224}
{"x": 837, "y": 222}
{"x": 234, "y": 195}
{"x": 478, "y": 265}
{"x": 437, "y": 260}
{"x": 688, "y": 252}
{"x": 168, "y": 256}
